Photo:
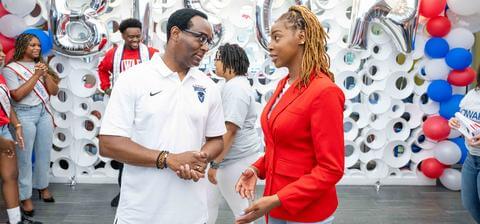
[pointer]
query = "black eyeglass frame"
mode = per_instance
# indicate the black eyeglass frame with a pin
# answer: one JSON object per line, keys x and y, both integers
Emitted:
{"x": 202, "y": 38}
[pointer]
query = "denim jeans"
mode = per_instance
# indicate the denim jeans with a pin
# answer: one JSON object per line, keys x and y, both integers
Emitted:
{"x": 271, "y": 220}
{"x": 5, "y": 132}
{"x": 471, "y": 186}
{"x": 37, "y": 126}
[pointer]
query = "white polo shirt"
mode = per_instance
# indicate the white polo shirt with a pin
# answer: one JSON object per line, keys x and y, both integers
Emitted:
{"x": 153, "y": 107}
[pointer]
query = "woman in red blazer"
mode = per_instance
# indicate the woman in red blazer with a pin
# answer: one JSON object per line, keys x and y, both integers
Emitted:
{"x": 303, "y": 128}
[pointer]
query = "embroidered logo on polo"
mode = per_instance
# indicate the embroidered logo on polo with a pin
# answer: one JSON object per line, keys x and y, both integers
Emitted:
{"x": 200, "y": 90}
{"x": 155, "y": 93}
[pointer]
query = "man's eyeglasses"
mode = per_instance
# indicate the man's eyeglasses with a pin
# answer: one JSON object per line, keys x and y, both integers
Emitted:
{"x": 203, "y": 38}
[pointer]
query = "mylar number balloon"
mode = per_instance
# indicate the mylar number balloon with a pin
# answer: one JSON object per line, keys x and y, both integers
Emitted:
{"x": 400, "y": 21}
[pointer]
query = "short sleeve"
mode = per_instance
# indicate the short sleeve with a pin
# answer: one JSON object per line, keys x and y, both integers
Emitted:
{"x": 11, "y": 78}
{"x": 215, "y": 122}
{"x": 235, "y": 105}
{"x": 119, "y": 115}
{"x": 466, "y": 99}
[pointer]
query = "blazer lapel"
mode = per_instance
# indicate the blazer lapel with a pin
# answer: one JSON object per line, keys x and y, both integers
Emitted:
{"x": 287, "y": 98}
{"x": 264, "y": 117}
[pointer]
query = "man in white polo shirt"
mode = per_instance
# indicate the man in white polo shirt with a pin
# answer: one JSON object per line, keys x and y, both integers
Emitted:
{"x": 165, "y": 121}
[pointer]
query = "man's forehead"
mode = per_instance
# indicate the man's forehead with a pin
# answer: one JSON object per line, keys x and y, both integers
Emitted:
{"x": 133, "y": 30}
{"x": 200, "y": 24}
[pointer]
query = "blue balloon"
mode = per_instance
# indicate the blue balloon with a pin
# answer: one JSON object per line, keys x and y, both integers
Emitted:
{"x": 450, "y": 107}
{"x": 436, "y": 47}
{"x": 459, "y": 58}
{"x": 44, "y": 39}
{"x": 460, "y": 141}
{"x": 439, "y": 90}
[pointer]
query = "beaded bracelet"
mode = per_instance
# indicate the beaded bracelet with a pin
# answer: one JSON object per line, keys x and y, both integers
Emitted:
{"x": 161, "y": 162}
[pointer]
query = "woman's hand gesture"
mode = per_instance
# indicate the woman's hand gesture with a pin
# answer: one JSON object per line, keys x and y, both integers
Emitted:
{"x": 246, "y": 183}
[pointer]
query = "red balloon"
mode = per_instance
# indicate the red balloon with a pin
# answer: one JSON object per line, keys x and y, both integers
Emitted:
{"x": 7, "y": 43}
{"x": 3, "y": 11}
{"x": 432, "y": 8}
{"x": 438, "y": 26}
{"x": 436, "y": 128}
{"x": 9, "y": 56}
{"x": 432, "y": 168}
{"x": 462, "y": 77}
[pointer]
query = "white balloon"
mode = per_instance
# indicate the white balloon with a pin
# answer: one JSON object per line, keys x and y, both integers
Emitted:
{"x": 436, "y": 68}
{"x": 451, "y": 179}
{"x": 460, "y": 38}
{"x": 420, "y": 41}
{"x": 12, "y": 25}
{"x": 471, "y": 22}
{"x": 464, "y": 7}
{"x": 447, "y": 152}
{"x": 454, "y": 133}
{"x": 19, "y": 8}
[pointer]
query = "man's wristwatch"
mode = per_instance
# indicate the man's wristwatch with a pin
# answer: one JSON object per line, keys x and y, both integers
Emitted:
{"x": 214, "y": 165}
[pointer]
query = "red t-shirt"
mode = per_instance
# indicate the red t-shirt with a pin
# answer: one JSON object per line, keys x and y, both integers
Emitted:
{"x": 129, "y": 59}
{"x": 3, "y": 116}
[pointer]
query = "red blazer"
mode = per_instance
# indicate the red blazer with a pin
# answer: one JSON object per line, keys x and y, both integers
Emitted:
{"x": 304, "y": 156}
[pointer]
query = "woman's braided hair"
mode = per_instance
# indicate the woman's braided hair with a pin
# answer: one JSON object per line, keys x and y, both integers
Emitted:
{"x": 21, "y": 45}
{"x": 315, "y": 56}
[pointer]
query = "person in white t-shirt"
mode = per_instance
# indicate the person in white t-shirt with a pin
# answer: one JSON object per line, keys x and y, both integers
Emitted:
{"x": 164, "y": 120}
{"x": 470, "y": 108}
{"x": 242, "y": 141}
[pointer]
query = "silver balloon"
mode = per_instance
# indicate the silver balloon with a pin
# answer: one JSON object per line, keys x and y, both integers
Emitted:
{"x": 400, "y": 18}
{"x": 99, "y": 6}
{"x": 217, "y": 24}
{"x": 136, "y": 8}
{"x": 263, "y": 12}
{"x": 147, "y": 24}
{"x": 77, "y": 32}
{"x": 143, "y": 12}
{"x": 197, "y": 4}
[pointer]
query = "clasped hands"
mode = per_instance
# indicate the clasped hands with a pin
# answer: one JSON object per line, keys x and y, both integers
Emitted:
{"x": 41, "y": 69}
{"x": 190, "y": 165}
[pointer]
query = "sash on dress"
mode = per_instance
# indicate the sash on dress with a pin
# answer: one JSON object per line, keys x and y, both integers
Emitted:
{"x": 39, "y": 89}
{"x": 5, "y": 99}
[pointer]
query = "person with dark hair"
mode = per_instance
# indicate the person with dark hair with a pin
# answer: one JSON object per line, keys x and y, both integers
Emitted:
{"x": 241, "y": 142}
{"x": 164, "y": 120}
{"x": 119, "y": 59}
{"x": 31, "y": 82}
{"x": 8, "y": 158}
{"x": 470, "y": 108}
{"x": 303, "y": 127}
{"x": 131, "y": 52}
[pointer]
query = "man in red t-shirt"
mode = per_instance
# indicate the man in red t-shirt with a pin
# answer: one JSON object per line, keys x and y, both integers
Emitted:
{"x": 119, "y": 59}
